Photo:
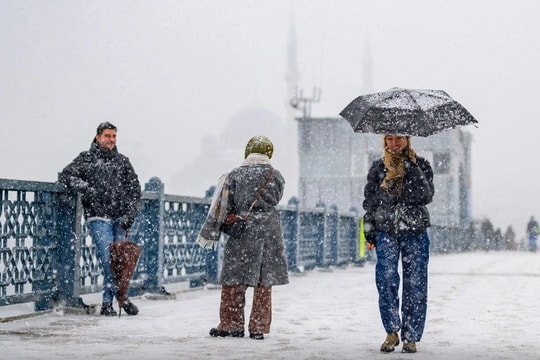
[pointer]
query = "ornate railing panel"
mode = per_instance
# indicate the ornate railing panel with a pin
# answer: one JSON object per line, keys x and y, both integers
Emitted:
{"x": 28, "y": 240}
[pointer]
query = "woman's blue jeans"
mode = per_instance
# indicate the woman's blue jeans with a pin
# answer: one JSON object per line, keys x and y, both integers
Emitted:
{"x": 104, "y": 233}
{"x": 414, "y": 251}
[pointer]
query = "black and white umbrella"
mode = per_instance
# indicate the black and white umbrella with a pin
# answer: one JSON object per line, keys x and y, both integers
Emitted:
{"x": 413, "y": 112}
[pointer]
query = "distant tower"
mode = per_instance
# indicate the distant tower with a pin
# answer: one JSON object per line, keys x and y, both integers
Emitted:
{"x": 296, "y": 101}
{"x": 292, "y": 75}
{"x": 367, "y": 65}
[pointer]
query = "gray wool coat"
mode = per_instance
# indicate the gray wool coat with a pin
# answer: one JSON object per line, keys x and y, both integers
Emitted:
{"x": 259, "y": 253}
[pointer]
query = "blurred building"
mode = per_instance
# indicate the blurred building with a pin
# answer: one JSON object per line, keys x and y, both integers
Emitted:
{"x": 334, "y": 161}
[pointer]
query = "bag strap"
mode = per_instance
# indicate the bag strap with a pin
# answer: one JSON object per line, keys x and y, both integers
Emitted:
{"x": 259, "y": 192}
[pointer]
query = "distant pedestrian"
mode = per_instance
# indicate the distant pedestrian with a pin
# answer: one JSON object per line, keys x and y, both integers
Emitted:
{"x": 510, "y": 238}
{"x": 399, "y": 186}
{"x": 256, "y": 257}
{"x": 532, "y": 234}
{"x": 111, "y": 196}
{"x": 488, "y": 234}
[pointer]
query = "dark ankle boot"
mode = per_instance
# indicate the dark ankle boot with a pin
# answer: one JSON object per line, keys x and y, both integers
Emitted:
{"x": 130, "y": 308}
{"x": 222, "y": 333}
{"x": 107, "y": 309}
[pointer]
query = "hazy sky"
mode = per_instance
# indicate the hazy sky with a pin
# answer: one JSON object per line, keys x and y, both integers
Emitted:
{"x": 180, "y": 77}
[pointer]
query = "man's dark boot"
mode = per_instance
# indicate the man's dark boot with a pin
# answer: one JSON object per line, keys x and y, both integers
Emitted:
{"x": 107, "y": 309}
{"x": 130, "y": 308}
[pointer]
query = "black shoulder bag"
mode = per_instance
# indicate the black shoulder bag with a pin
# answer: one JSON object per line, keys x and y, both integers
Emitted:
{"x": 234, "y": 224}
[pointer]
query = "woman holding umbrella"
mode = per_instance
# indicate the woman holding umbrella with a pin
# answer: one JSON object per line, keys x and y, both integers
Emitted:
{"x": 399, "y": 186}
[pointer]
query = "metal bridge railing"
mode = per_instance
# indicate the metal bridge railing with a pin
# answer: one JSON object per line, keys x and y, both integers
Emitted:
{"x": 47, "y": 256}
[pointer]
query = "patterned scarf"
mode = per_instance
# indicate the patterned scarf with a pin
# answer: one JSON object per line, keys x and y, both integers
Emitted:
{"x": 210, "y": 234}
{"x": 395, "y": 168}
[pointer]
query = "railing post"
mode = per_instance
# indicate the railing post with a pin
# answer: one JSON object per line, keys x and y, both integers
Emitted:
{"x": 153, "y": 216}
{"x": 211, "y": 256}
{"x": 333, "y": 234}
{"x": 320, "y": 235}
{"x": 212, "y": 265}
{"x": 44, "y": 250}
{"x": 69, "y": 249}
{"x": 290, "y": 220}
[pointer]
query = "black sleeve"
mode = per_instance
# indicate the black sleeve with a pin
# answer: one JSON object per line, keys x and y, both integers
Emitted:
{"x": 74, "y": 176}
{"x": 133, "y": 190}
{"x": 418, "y": 187}
{"x": 371, "y": 189}
{"x": 371, "y": 199}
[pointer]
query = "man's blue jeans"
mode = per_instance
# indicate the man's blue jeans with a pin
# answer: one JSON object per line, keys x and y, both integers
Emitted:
{"x": 414, "y": 251}
{"x": 104, "y": 233}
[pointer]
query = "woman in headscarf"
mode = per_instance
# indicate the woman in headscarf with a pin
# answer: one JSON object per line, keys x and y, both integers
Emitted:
{"x": 256, "y": 257}
{"x": 399, "y": 186}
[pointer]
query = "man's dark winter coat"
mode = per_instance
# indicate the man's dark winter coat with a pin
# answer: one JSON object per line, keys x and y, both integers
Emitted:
{"x": 109, "y": 185}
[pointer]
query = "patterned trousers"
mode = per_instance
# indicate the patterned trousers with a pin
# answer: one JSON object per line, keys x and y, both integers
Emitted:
{"x": 231, "y": 310}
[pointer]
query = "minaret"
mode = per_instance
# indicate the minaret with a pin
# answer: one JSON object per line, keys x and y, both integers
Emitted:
{"x": 367, "y": 67}
{"x": 296, "y": 101}
{"x": 292, "y": 75}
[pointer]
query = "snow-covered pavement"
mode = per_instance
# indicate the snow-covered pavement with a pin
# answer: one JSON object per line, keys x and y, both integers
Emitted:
{"x": 481, "y": 306}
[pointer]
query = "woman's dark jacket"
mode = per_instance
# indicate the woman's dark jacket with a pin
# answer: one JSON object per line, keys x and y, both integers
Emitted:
{"x": 109, "y": 185}
{"x": 398, "y": 213}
